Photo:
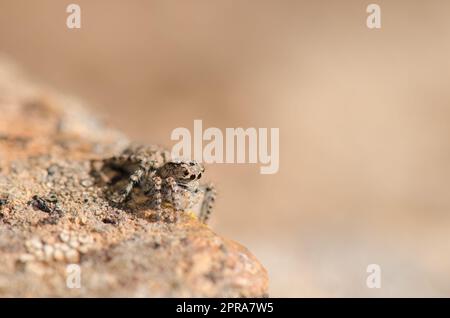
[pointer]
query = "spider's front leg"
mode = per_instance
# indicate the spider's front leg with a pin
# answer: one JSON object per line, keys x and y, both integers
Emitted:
{"x": 172, "y": 193}
{"x": 153, "y": 190}
{"x": 209, "y": 197}
{"x": 134, "y": 179}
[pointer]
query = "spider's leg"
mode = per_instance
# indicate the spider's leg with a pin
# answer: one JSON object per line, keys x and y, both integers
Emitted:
{"x": 116, "y": 164}
{"x": 173, "y": 193}
{"x": 134, "y": 179}
{"x": 209, "y": 198}
{"x": 153, "y": 189}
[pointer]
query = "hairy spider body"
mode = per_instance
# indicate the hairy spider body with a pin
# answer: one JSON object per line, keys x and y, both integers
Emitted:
{"x": 162, "y": 180}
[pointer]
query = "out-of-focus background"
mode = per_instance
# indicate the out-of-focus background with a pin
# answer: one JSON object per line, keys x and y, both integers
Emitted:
{"x": 364, "y": 118}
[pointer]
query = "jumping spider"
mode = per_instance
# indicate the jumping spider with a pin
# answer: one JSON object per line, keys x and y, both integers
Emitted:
{"x": 162, "y": 180}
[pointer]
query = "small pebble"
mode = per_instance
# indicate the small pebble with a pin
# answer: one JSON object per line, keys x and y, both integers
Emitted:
{"x": 26, "y": 258}
{"x": 86, "y": 183}
{"x": 74, "y": 243}
{"x": 64, "y": 237}
{"x": 83, "y": 249}
{"x": 83, "y": 220}
{"x": 58, "y": 245}
{"x": 48, "y": 251}
{"x": 52, "y": 197}
{"x": 72, "y": 256}
{"x": 39, "y": 255}
{"x": 58, "y": 255}
{"x": 52, "y": 169}
{"x": 84, "y": 239}
{"x": 40, "y": 204}
{"x": 34, "y": 244}
{"x": 64, "y": 248}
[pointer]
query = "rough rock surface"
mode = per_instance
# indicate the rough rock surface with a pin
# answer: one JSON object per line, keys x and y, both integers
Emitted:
{"x": 53, "y": 213}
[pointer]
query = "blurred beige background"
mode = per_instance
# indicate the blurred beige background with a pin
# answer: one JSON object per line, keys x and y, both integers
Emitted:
{"x": 364, "y": 118}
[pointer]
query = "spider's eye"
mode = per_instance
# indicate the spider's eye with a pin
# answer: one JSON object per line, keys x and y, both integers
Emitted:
{"x": 186, "y": 172}
{"x": 192, "y": 163}
{"x": 192, "y": 177}
{"x": 199, "y": 176}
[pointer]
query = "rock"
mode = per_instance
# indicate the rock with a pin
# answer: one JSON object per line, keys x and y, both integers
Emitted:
{"x": 54, "y": 212}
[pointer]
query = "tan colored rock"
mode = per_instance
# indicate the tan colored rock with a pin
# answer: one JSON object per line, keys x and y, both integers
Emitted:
{"x": 53, "y": 212}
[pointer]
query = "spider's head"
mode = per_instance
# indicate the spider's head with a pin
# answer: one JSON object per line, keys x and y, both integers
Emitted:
{"x": 184, "y": 171}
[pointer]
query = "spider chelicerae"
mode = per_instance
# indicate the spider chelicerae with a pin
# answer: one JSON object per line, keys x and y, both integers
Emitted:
{"x": 162, "y": 180}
